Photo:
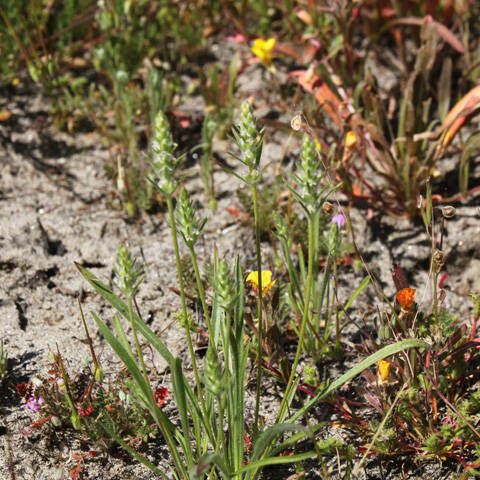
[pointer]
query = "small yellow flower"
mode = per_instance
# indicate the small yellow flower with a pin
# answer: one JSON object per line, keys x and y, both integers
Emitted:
{"x": 267, "y": 282}
{"x": 15, "y": 82}
{"x": 262, "y": 49}
{"x": 383, "y": 367}
{"x": 350, "y": 139}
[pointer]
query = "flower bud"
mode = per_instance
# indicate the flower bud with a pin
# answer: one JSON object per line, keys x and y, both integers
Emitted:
{"x": 449, "y": 211}
{"x": 327, "y": 208}
{"x": 438, "y": 258}
{"x": 296, "y": 122}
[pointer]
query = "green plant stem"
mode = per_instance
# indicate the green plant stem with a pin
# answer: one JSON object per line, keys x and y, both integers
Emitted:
{"x": 158, "y": 421}
{"x": 259, "y": 308}
{"x": 201, "y": 291}
{"x": 285, "y": 401}
{"x": 135, "y": 338}
{"x": 337, "y": 317}
{"x": 181, "y": 285}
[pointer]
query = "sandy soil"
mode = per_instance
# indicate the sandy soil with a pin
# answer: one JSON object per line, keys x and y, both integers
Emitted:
{"x": 54, "y": 210}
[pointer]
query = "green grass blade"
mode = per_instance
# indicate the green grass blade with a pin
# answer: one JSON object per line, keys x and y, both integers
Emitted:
{"x": 139, "y": 457}
{"x": 121, "y": 335}
{"x": 122, "y": 308}
{"x": 179, "y": 390}
{"x": 356, "y": 293}
{"x": 124, "y": 355}
{"x": 363, "y": 365}
{"x": 265, "y": 462}
{"x": 265, "y": 438}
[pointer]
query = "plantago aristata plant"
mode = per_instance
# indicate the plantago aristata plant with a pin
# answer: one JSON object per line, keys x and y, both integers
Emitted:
{"x": 249, "y": 139}
{"x": 164, "y": 165}
{"x": 190, "y": 228}
{"x": 310, "y": 193}
{"x": 209, "y": 436}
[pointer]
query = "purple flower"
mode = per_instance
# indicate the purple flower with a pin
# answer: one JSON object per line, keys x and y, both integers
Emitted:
{"x": 339, "y": 220}
{"x": 34, "y": 404}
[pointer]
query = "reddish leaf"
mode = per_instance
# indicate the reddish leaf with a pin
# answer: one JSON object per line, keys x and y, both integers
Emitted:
{"x": 446, "y": 34}
{"x": 459, "y": 114}
{"x": 327, "y": 100}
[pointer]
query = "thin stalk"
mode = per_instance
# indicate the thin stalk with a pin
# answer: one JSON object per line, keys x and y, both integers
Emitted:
{"x": 287, "y": 394}
{"x": 201, "y": 291}
{"x": 138, "y": 348}
{"x": 259, "y": 308}
{"x": 181, "y": 285}
{"x": 337, "y": 318}
{"x": 434, "y": 270}
{"x": 221, "y": 441}
{"x": 166, "y": 434}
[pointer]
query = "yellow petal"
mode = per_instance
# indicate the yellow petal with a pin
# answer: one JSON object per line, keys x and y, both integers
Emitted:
{"x": 350, "y": 139}
{"x": 383, "y": 370}
{"x": 267, "y": 282}
{"x": 253, "y": 278}
{"x": 269, "y": 44}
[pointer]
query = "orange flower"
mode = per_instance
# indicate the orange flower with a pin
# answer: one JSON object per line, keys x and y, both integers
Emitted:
{"x": 405, "y": 298}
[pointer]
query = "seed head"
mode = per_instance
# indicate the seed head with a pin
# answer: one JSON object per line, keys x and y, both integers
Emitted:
{"x": 249, "y": 139}
{"x": 189, "y": 225}
{"x": 213, "y": 372}
{"x": 309, "y": 175}
{"x": 164, "y": 162}
{"x": 129, "y": 274}
{"x": 281, "y": 227}
{"x": 224, "y": 285}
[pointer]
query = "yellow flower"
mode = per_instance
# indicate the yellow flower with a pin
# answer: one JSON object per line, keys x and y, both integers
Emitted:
{"x": 350, "y": 139}
{"x": 262, "y": 49}
{"x": 267, "y": 282}
{"x": 383, "y": 367}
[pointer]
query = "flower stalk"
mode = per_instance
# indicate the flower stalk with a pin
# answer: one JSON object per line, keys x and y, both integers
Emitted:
{"x": 249, "y": 139}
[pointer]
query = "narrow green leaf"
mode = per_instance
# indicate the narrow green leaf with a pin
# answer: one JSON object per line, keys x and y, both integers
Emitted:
{"x": 181, "y": 400}
{"x": 139, "y": 457}
{"x": 122, "y": 336}
{"x": 356, "y": 293}
{"x": 122, "y": 308}
{"x": 353, "y": 372}
{"x": 471, "y": 146}
{"x": 266, "y": 437}
{"x": 124, "y": 355}
{"x": 265, "y": 462}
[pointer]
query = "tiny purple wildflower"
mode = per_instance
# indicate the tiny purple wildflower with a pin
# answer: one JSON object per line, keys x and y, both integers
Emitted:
{"x": 339, "y": 220}
{"x": 34, "y": 404}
